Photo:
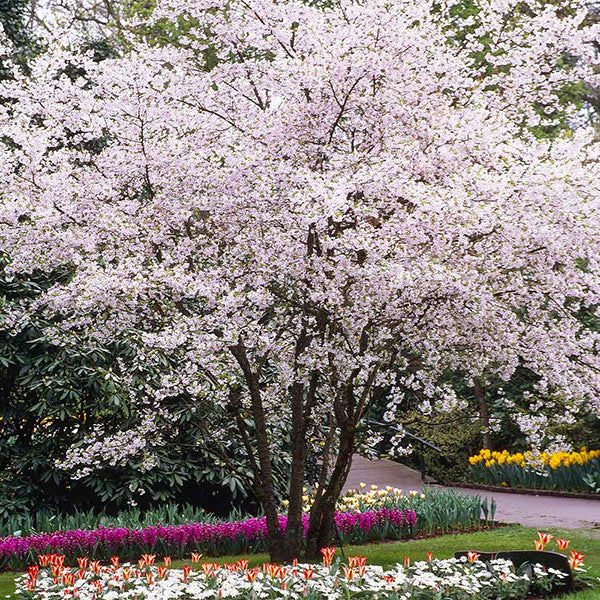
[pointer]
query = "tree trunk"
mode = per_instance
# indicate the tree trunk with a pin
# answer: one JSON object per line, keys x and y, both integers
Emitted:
{"x": 321, "y": 524}
{"x": 265, "y": 487}
{"x": 283, "y": 546}
{"x": 484, "y": 414}
{"x": 292, "y": 547}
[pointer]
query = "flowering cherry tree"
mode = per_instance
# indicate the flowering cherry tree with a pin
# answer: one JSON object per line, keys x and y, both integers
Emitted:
{"x": 348, "y": 206}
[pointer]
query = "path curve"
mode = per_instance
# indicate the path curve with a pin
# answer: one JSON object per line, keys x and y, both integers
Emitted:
{"x": 524, "y": 509}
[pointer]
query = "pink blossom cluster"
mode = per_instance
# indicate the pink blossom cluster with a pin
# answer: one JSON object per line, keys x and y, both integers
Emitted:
{"x": 349, "y": 200}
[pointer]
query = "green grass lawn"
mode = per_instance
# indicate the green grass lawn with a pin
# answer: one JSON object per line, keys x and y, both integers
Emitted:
{"x": 505, "y": 538}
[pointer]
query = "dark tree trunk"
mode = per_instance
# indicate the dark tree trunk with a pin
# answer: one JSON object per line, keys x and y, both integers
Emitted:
{"x": 265, "y": 488}
{"x": 321, "y": 524}
{"x": 283, "y": 546}
{"x": 294, "y": 532}
{"x": 484, "y": 414}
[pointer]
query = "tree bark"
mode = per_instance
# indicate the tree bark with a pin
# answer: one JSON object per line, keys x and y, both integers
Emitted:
{"x": 265, "y": 488}
{"x": 320, "y": 528}
{"x": 294, "y": 530}
{"x": 484, "y": 414}
{"x": 283, "y": 546}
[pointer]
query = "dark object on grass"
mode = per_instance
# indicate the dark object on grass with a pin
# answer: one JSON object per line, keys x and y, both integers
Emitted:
{"x": 549, "y": 560}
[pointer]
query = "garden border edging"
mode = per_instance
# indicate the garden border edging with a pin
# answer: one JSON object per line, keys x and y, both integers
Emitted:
{"x": 528, "y": 491}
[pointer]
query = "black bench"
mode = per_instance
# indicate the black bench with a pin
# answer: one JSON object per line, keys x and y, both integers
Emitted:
{"x": 549, "y": 560}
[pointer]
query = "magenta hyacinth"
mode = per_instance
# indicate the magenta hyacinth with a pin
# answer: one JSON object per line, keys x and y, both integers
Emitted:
{"x": 183, "y": 538}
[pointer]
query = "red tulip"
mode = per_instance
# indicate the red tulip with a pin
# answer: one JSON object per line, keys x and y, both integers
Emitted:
{"x": 575, "y": 559}
{"x": 328, "y": 554}
{"x": 562, "y": 543}
{"x": 162, "y": 571}
{"x": 348, "y": 572}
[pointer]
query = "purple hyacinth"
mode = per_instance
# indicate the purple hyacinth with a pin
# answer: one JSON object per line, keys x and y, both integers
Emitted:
{"x": 182, "y": 538}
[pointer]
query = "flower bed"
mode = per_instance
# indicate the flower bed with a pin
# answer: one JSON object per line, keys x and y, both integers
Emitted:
{"x": 451, "y": 579}
{"x": 232, "y": 537}
{"x": 578, "y": 471}
{"x": 363, "y": 517}
{"x": 439, "y": 510}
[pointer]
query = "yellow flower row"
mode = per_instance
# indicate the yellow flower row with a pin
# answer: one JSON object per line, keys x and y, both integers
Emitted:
{"x": 530, "y": 459}
{"x": 358, "y": 500}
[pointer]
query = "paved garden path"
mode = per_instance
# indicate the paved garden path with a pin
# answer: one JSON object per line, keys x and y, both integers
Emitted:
{"x": 532, "y": 511}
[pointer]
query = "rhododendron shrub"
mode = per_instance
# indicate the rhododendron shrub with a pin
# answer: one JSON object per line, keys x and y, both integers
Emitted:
{"x": 340, "y": 211}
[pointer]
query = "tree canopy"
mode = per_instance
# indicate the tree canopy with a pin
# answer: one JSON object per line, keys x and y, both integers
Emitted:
{"x": 349, "y": 205}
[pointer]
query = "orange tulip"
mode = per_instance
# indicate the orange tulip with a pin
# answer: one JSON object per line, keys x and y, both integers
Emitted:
{"x": 429, "y": 556}
{"x": 575, "y": 559}
{"x": 348, "y": 572}
{"x": 196, "y": 557}
{"x": 56, "y": 570}
{"x": 161, "y": 572}
{"x": 562, "y": 543}
{"x": 308, "y": 573}
{"x": 357, "y": 561}
{"x": 57, "y": 559}
{"x": 186, "y": 571}
{"x": 328, "y": 554}
{"x": 472, "y": 556}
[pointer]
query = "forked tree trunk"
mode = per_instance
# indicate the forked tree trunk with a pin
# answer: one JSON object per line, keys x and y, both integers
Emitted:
{"x": 283, "y": 546}
{"x": 265, "y": 487}
{"x": 321, "y": 524}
